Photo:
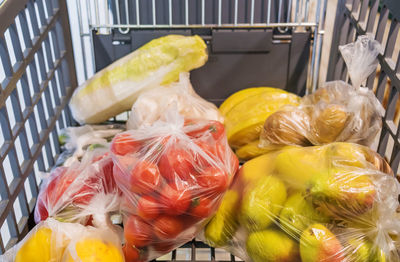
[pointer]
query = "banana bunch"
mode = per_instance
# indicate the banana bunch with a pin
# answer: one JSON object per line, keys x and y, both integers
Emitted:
{"x": 245, "y": 113}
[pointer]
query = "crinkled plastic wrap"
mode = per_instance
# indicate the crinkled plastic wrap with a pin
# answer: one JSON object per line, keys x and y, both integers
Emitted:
{"x": 152, "y": 105}
{"x": 54, "y": 241}
{"x": 336, "y": 202}
{"x": 77, "y": 140}
{"x": 115, "y": 88}
{"x": 337, "y": 111}
{"x": 67, "y": 192}
{"x": 173, "y": 175}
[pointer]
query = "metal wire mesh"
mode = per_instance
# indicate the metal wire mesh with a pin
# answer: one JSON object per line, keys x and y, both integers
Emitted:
{"x": 381, "y": 19}
{"x": 124, "y": 15}
{"x": 37, "y": 79}
{"x": 37, "y": 76}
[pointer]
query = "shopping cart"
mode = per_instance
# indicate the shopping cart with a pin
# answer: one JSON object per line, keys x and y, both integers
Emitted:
{"x": 49, "y": 47}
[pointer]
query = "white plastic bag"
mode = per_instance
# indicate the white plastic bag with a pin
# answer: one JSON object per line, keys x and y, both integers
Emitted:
{"x": 76, "y": 140}
{"x": 151, "y": 105}
{"x": 360, "y": 58}
{"x": 69, "y": 192}
{"x": 54, "y": 241}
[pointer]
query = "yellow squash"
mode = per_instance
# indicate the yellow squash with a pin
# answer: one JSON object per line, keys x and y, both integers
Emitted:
{"x": 96, "y": 250}
{"x": 41, "y": 246}
{"x": 241, "y": 95}
{"x": 245, "y": 120}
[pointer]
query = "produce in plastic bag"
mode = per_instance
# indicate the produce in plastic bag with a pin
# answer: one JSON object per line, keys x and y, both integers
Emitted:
{"x": 54, "y": 241}
{"x": 94, "y": 244}
{"x": 75, "y": 141}
{"x": 173, "y": 175}
{"x": 151, "y": 105}
{"x": 245, "y": 112}
{"x": 336, "y": 202}
{"x": 115, "y": 88}
{"x": 69, "y": 190}
{"x": 337, "y": 111}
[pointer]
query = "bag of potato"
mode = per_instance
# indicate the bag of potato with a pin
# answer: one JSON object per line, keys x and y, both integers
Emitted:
{"x": 54, "y": 241}
{"x": 245, "y": 113}
{"x": 115, "y": 88}
{"x": 337, "y": 111}
{"x": 151, "y": 105}
{"x": 315, "y": 203}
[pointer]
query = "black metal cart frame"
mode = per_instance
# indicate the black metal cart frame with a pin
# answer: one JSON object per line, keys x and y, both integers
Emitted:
{"x": 250, "y": 42}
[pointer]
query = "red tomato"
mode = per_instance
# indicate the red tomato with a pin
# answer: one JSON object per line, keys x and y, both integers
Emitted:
{"x": 224, "y": 153}
{"x": 89, "y": 221}
{"x": 234, "y": 163}
{"x": 188, "y": 221}
{"x": 175, "y": 200}
{"x": 202, "y": 207}
{"x": 84, "y": 195}
{"x": 189, "y": 122}
{"x": 215, "y": 179}
{"x": 49, "y": 195}
{"x": 148, "y": 207}
{"x": 127, "y": 204}
{"x": 206, "y": 147}
{"x": 61, "y": 180}
{"x": 176, "y": 163}
{"x": 167, "y": 227}
{"x": 215, "y": 128}
{"x": 131, "y": 253}
{"x": 67, "y": 187}
{"x": 124, "y": 143}
{"x": 41, "y": 213}
{"x": 144, "y": 178}
{"x": 107, "y": 176}
{"x": 127, "y": 161}
{"x": 164, "y": 246}
{"x": 137, "y": 232}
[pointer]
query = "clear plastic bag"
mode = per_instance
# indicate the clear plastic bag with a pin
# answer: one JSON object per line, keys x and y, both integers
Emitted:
{"x": 173, "y": 175}
{"x": 151, "y": 105}
{"x": 337, "y": 111}
{"x": 94, "y": 244}
{"x": 336, "y": 202}
{"x": 115, "y": 88}
{"x": 75, "y": 141}
{"x": 54, "y": 241}
{"x": 68, "y": 191}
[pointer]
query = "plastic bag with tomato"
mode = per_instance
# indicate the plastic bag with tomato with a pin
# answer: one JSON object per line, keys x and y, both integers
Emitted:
{"x": 69, "y": 190}
{"x": 173, "y": 175}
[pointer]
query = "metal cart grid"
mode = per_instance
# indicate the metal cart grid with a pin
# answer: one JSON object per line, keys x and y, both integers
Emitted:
{"x": 38, "y": 74}
{"x": 38, "y": 79}
{"x": 381, "y": 19}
